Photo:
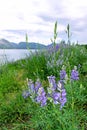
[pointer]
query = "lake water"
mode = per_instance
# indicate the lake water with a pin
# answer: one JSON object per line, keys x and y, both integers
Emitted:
{"x": 8, "y": 55}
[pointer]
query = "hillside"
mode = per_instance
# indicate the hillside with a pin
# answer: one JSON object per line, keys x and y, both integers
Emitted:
{"x": 31, "y": 45}
{"x": 5, "y": 44}
{"x": 36, "y": 95}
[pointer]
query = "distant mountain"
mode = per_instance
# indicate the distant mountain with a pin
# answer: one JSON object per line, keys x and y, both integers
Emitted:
{"x": 5, "y": 44}
{"x": 31, "y": 45}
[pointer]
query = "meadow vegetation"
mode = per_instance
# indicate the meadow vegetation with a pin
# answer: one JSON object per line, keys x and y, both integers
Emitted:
{"x": 45, "y": 91}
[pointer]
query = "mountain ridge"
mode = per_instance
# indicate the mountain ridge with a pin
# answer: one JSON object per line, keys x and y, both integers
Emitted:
{"x": 5, "y": 44}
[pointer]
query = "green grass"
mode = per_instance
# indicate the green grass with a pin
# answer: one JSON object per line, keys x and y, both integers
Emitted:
{"x": 17, "y": 113}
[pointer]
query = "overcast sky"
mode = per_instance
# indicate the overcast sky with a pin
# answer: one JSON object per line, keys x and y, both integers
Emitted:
{"x": 37, "y": 18}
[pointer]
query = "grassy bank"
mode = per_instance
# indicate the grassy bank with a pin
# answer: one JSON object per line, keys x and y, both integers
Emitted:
{"x": 19, "y": 113}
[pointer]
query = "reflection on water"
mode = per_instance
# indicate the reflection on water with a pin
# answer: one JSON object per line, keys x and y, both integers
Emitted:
{"x": 13, "y": 54}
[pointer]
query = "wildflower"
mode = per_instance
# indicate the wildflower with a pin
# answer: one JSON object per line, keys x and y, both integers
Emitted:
{"x": 56, "y": 47}
{"x": 63, "y": 94}
{"x": 60, "y": 85}
{"x": 37, "y": 85}
{"x": 31, "y": 86}
{"x": 74, "y": 75}
{"x": 53, "y": 49}
{"x": 25, "y": 94}
{"x": 62, "y": 74}
{"x": 52, "y": 82}
{"x": 62, "y": 98}
{"x": 32, "y": 91}
{"x": 56, "y": 97}
{"x": 41, "y": 98}
{"x": 56, "y": 92}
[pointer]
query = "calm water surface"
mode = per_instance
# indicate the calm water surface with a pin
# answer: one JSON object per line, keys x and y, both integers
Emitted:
{"x": 13, "y": 54}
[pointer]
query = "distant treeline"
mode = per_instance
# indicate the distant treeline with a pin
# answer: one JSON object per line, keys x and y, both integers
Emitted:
{"x": 85, "y": 46}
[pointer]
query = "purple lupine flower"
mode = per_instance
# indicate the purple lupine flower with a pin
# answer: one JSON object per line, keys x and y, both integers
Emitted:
{"x": 57, "y": 47}
{"x": 62, "y": 74}
{"x": 63, "y": 94}
{"x": 56, "y": 97}
{"x": 60, "y": 85}
{"x": 74, "y": 75}
{"x": 37, "y": 85}
{"x": 41, "y": 98}
{"x": 59, "y": 98}
{"x": 56, "y": 93}
{"x": 52, "y": 82}
{"x": 31, "y": 86}
{"x": 26, "y": 94}
{"x": 62, "y": 98}
{"x": 62, "y": 102}
{"x": 53, "y": 48}
{"x": 32, "y": 91}
{"x": 43, "y": 102}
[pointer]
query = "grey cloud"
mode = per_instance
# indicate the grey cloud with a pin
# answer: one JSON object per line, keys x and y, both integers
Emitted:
{"x": 21, "y": 32}
{"x": 38, "y": 33}
{"x": 46, "y": 18}
{"x": 57, "y": 12}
